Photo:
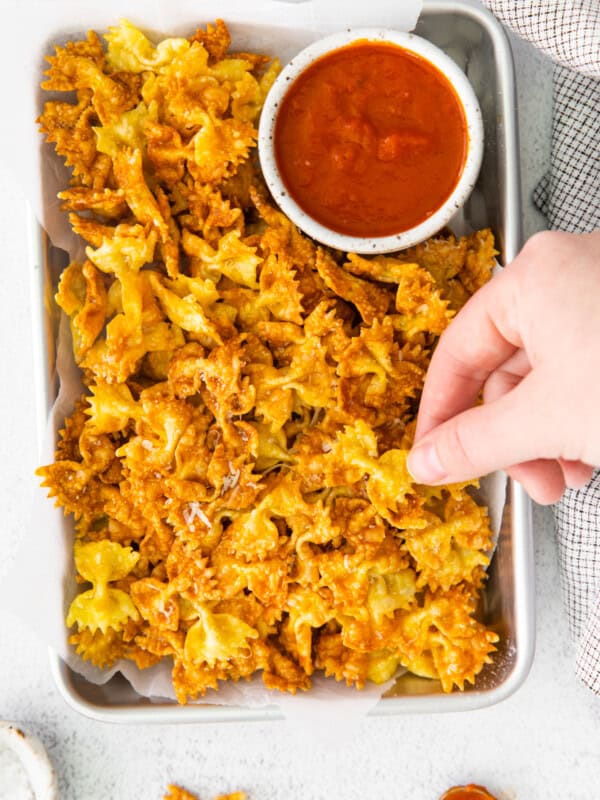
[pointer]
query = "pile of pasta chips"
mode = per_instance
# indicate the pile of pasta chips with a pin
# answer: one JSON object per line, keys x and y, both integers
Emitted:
{"x": 236, "y": 466}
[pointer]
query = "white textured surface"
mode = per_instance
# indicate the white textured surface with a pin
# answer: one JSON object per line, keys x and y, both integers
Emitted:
{"x": 541, "y": 744}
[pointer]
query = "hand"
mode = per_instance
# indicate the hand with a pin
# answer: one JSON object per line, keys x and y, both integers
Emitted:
{"x": 530, "y": 339}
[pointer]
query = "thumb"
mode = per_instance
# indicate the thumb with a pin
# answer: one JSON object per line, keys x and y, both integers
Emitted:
{"x": 517, "y": 427}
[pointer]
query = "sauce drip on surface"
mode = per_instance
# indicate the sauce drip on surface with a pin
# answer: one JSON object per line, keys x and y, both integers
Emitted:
{"x": 370, "y": 140}
{"x": 470, "y": 792}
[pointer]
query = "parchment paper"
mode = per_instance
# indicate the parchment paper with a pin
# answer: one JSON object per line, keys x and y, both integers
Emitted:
{"x": 41, "y": 585}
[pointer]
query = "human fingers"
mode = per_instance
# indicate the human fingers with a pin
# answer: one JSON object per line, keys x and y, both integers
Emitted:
{"x": 545, "y": 480}
{"x": 506, "y": 377}
{"x": 542, "y": 479}
{"x": 576, "y": 473}
{"x": 480, "y": 339}
{"x": 517, "y": 427}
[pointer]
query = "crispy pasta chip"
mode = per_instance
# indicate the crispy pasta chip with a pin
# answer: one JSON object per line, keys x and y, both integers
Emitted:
{"x": 236, "y": 466}
{"x": 179, "y": 793}
{"x": 444, "y": 641}
{"x": 129, "y": 50}
{"x": 82, "y": 295}
{"x": 216, "y": 637}
{"x": 102, "y": 607}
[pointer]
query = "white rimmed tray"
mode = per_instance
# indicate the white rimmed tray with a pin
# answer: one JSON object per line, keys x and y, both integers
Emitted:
{"x": 473, "y": 38}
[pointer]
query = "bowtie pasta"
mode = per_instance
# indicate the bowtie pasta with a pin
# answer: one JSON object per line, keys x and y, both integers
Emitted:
{"x": 236, "y": 467}
{"x": 179, "y": 793}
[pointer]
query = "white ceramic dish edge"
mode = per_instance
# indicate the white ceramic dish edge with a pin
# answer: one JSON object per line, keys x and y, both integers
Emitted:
{"x": 32, "y": 755}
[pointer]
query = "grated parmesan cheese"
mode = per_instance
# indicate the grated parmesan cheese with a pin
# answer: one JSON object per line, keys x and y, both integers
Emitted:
{"x": 315, "y": 416}
{"x": 231, "y": 480}
{"x": 193, "y": 511}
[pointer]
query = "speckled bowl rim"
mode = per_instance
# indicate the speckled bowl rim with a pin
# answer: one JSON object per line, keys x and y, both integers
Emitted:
{"x": 31, "y": 754}
{"x": 466, "y": 181}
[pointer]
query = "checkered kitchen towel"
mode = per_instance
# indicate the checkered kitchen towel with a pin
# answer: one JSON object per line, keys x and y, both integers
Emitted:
{"x": 569, "y": 195}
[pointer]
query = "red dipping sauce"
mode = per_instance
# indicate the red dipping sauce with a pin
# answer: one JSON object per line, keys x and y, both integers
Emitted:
{"x": 370, "y": 140}
{"x": 470, "y": 792}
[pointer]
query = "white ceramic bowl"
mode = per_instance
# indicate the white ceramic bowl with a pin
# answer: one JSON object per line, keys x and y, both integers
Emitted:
{"x": 433, "y": 223}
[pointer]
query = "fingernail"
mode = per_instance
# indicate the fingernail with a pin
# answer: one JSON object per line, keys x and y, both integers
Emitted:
{"x": 424, "y": 464}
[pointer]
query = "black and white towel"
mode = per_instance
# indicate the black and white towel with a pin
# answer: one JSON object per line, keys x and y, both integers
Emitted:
{"x": 569, "y": 196}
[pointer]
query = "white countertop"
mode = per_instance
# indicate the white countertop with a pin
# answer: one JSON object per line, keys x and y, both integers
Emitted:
{"x": 541, "y": 744}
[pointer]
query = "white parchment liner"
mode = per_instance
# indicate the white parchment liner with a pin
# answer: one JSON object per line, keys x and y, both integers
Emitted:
{"x": 41, "y": 584}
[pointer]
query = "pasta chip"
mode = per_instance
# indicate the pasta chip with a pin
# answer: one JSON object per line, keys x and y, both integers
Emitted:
{"x": 131, "y": 51}
{"x": 178, "y": 793}
{"x": 216, "y": 637}
{"x": 82, "y": 295}
{"x": 102, "y": 607}
{"x": 128, "y": 130}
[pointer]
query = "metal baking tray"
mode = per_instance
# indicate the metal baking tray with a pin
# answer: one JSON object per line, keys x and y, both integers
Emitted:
{"x": 473, "y": 38}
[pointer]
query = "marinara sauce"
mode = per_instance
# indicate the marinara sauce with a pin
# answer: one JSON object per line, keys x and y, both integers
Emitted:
{"x": 370, "y": 140}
